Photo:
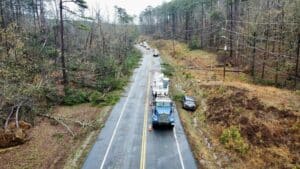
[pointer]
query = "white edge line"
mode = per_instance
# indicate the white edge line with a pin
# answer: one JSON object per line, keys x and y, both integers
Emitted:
{"x": 115, "y": 129}
{"x": 178, "y": 149}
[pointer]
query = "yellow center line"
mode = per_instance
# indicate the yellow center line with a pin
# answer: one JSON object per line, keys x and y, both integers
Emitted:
{"x": 144, "y": 137}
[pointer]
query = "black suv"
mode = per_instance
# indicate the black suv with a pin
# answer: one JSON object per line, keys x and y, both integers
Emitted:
{"x": 189, "y": 103}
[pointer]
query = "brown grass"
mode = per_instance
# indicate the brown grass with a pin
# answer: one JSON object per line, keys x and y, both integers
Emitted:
{"x": 51, "y": 145}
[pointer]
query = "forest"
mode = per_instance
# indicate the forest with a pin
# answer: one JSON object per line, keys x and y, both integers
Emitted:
{"x": 76, "y": 84}
{"x": 240, "y": 60}
{"x": 258, "y": 37}
{"x": 51, "y": 54}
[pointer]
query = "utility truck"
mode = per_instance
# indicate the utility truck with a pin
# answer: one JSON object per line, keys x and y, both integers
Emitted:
{"x": 160, "y": 85}
{"x": 163, "y": 112}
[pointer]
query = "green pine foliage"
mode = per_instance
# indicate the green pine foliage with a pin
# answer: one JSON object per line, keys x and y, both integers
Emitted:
{"x": 232, "y": 139}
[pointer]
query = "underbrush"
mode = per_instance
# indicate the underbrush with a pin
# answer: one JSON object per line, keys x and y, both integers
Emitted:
{"x": 97, "y": 98}
{"x": 260, "y": 127}
{"x": 131, "y": 61}
{"x": 167, "y": 69}
{"x": 178, "y": 96}
{"x": 108, "y": 86}
{"x": 232, "y": 139}
{"x": 75, "y": 96}
{"x": 194, "y": 44}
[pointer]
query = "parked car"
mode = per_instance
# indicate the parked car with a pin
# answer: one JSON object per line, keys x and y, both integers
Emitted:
{"x": 189, "y": 103}
{"x": 155, "y": 53}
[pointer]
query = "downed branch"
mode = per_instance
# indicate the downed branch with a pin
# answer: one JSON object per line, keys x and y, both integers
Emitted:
{"x": 82, "y": 124}
{"x": 59, "y": 120}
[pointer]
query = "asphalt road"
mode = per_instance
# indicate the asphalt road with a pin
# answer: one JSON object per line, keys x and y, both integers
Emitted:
{"x": 126, "y": 143}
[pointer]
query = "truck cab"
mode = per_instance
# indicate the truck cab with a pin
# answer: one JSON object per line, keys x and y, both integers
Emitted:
{"x": 163, "y": 112}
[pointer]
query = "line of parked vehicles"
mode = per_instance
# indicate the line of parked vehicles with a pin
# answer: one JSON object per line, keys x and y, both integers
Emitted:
{"x": 162, "y": 105}
{"x": 146, "y": 46}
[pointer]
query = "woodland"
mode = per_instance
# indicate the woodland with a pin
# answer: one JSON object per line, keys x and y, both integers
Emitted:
{"x": 258, "y": 37}
{"x": 51, "y": 54}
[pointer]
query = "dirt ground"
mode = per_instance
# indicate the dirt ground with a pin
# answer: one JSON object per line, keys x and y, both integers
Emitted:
{"x": 51, "y": 145}
{"x": 265, "y": 120}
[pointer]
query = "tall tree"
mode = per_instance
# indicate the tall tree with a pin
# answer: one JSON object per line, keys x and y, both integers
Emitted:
{"x": 81, "y": 4}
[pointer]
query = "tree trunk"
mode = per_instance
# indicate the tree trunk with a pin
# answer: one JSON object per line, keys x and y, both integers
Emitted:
{"x": 12, "y": 14}
{"x": 34, "y": 17}
{"x": 266, "y": 54}
{"x": 211, "y": 37}
{"x": 253, "y": 56}
{"x": 202, "y": 26}
{"x": 42, "y": 18}
{"x": 2, "y": 14}
{"x": 280, "y": 46}
{"x": 37, "y": 14}
{"x": 297, "y": 61}
{"x": 63, "y": 64}
{"x": 187, "y": 17}
{"x": 231, "y": 29}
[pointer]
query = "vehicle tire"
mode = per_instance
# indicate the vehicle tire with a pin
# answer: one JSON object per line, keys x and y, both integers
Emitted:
{"x": 154, "y": 126}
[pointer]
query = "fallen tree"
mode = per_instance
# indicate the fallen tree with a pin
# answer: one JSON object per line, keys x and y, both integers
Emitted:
{"x": 63, "y": 122}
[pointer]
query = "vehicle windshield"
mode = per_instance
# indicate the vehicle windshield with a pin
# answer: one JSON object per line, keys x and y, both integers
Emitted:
{"x": 190, "y": 102}
{"x": 189, "y": 99}
{"x": 163, "y": 104}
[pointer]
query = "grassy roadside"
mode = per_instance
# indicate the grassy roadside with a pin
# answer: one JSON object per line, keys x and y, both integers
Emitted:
{"x": 77, "y": 157}
{"x": 50, "y": 144}
{"x": 237, "y": 124}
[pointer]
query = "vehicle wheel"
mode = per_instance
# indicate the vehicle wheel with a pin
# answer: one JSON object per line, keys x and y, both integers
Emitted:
{"x": 171, "y": 126}
{"x": 154, "y": 126}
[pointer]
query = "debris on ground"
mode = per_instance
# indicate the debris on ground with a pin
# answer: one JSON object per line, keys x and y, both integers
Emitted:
{"x": 49, "y": 143}
{"x": 13, "y": 136}
{"x": 263, "y": 127}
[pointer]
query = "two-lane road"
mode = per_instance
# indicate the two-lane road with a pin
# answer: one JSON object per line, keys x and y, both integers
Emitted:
{"x": 126, "y": 143}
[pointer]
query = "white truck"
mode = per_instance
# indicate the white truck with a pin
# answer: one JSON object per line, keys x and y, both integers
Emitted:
{"x": 155, "y": 53}
{"x": 160, "y": 85}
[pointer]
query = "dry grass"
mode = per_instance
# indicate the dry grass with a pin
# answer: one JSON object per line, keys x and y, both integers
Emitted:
{"x": 82, "y": 112}
{"x": 51, "y": 145}
{"x": 206, "y": 60}
{"x": 282, "y": 98}
{"x": 196, "y": 71}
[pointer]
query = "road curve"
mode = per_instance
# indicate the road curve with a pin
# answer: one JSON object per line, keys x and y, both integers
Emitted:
{"x": 126, "y": 143}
